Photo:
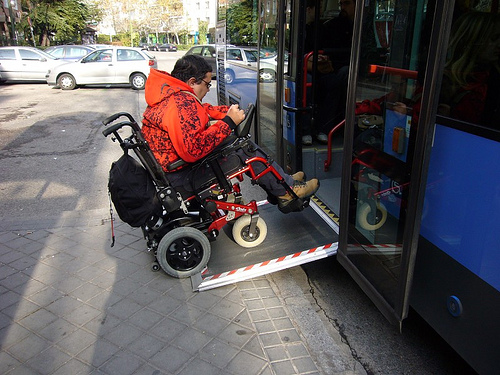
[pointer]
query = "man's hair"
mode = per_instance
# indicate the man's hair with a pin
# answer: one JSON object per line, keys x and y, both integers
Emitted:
{"x": 191, "y": 66}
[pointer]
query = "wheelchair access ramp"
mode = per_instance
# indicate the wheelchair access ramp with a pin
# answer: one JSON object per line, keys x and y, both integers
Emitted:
{"x": 293, "y": 239}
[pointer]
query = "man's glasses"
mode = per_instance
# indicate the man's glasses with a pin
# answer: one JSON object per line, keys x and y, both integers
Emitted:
{"x": 207, "y": 83}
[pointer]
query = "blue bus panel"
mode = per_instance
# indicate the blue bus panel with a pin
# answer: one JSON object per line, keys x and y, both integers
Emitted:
{"x": 461, "y": 213}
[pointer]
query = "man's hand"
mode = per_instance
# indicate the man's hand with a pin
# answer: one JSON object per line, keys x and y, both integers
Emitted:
{"x": 236, "y": 114}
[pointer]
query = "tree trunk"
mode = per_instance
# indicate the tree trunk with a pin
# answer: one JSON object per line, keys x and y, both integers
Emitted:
{"x": 45, "y": 40}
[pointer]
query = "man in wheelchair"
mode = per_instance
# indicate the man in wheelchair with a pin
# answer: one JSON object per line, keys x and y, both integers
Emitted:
{"x": 181, "y": 130}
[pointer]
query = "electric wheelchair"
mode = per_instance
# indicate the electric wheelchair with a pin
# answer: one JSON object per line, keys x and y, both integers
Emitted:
{"x": 192, "y": 215}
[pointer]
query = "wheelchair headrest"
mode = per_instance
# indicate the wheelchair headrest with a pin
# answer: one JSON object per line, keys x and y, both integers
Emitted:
{"x": 243, "y": 128}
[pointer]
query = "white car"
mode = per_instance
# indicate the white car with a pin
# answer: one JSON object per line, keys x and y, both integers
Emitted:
{"x": 25, "y": 64}
{"x": 242, "y": 63}
{"x": 113, "y": 65}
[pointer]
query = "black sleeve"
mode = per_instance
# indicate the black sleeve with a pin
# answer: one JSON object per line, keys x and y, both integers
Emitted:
{"x": 228, "y": 120}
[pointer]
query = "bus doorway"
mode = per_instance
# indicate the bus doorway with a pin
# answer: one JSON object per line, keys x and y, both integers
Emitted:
{"x": 289, "y": 105}
{"x": 251, "y": 67}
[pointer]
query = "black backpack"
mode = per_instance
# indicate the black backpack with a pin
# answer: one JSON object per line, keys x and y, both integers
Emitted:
{"x": 132, "y": 191}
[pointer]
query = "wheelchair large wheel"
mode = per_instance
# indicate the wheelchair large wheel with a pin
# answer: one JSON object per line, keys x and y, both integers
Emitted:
{"x": 183, "y": 252}
{"x": 241, "y": 232}
{"x": 367, "y": 220}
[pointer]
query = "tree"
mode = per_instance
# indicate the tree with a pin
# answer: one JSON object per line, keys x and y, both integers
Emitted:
{"x": 203, "y": 30}
{"x": 63, "y": 20}
{"x": 142, "y": 16}
{"x": 242, "y": 23}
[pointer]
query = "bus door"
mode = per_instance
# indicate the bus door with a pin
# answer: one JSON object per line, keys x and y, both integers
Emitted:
{"x": 388, "y": 131}
{"x": 288, "y": 106}
{"x": 268, "y": 94}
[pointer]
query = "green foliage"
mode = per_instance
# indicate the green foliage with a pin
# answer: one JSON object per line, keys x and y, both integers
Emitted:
{"x": 106, "y": 39}
{"x": 242, "y": 23}
{"x": 61, "y": 20}
{"x": 203, "y": 30}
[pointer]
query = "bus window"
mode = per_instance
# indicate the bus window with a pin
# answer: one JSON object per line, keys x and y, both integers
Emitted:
{"x": 471, "y": 82}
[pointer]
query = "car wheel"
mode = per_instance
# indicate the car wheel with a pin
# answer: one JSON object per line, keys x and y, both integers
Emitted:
{"x": 66, "y": 81}
{"x": 267, "y": 75}
{"x": 229, "y": 76}
{"x": 138, "y": 81}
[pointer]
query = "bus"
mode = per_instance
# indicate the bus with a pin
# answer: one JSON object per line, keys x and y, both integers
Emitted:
{"x": 407, "y": 167}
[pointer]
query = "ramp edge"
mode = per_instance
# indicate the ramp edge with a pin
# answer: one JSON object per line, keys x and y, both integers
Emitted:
{"x": 268, "y": 266}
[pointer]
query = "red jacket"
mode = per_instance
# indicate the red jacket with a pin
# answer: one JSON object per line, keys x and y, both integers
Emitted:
{"x": 176, "y": 123}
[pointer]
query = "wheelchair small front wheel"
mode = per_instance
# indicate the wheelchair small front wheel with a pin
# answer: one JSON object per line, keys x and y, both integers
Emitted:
{"x": 371, "y": 221}
{"x": 183, "y": 252}
{"x": 242, "y": 235}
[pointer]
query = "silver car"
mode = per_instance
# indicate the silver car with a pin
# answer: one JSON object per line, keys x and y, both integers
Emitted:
{"x": 69, "y": 52}
{"x": 242, "y": 64}
{"x": 113, "y": 65}
{"x": 25, "y": 64}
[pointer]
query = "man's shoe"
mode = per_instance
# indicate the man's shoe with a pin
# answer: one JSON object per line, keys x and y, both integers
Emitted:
{"x": 322, "y": 138}
{"x": 307, "y": 140}
{"x": 298, "y": 176}
{"x": 301, "y": 189}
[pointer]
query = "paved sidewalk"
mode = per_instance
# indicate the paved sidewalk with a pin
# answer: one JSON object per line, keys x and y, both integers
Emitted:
{"x": 71, "y": 304}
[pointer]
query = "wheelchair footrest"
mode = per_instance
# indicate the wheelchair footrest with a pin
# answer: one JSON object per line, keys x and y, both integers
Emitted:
{"x": 296, "y": 205}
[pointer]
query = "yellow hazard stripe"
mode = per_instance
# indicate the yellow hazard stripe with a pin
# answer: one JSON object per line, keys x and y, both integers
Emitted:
{"x": 332, "y": 215}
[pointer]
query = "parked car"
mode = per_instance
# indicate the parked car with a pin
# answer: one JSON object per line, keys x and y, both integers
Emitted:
{"x": 207, "y": 52}
{"x": 98, "y": 46}
{"x": 114, "y": 65}
{"x": 69, "y": 52}
{"x": 240, "y": 59}
{"x": 153, "y": 47}
{"x": 25, "y": 64}
{"x": 168, "y": 47}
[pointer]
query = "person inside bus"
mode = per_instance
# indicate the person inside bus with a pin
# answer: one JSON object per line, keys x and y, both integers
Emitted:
{"x": 471, "y": 83}
{"x": 179, "y": 127}
{"x": 338, "y": 42}
{"x": 329, "y": 86}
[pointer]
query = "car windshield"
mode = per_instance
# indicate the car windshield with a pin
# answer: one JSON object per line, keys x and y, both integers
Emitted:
{"x": 56, "y": 52}
{"x": 99, "y": 55}
{"x": 43, "y": 53}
